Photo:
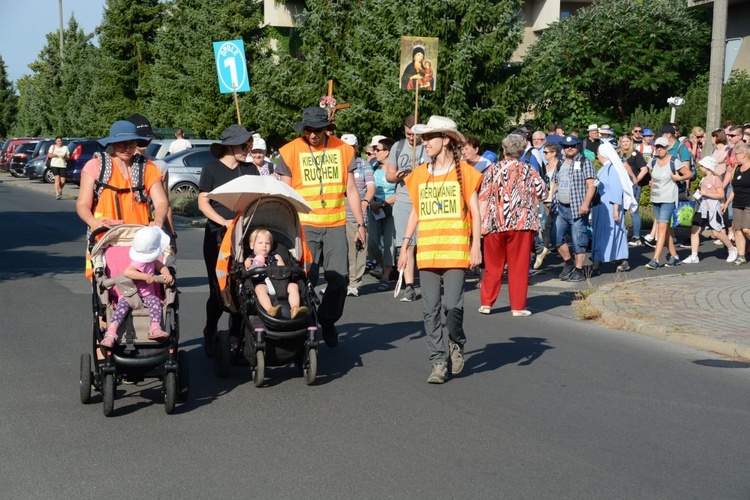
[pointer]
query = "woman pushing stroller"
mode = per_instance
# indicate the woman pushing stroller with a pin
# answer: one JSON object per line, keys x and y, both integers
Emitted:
{"x": 261, "y": 243}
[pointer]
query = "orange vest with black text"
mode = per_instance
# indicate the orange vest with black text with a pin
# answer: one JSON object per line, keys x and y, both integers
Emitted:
{"x": 444, "y": 236}
{"x": 320, "y": 178}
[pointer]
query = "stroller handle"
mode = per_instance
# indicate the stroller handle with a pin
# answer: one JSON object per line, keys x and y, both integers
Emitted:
{"x": 110, "y": 282}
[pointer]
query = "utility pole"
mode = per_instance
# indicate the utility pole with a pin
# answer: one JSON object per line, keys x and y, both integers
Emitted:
{"x": 61, "y": 30}
{"x": 716, "y": 68}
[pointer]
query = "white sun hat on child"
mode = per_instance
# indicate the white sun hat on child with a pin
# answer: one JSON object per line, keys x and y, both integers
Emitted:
{"x": 148, "y": 244}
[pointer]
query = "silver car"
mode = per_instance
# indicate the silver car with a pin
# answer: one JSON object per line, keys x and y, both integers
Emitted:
{"x": 159, "y": 148}
{"x": 185, "y": 170}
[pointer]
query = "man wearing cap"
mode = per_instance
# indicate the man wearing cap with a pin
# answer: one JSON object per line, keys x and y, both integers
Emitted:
{"x": 575, "y": 189}
{"x": 143, "y": 127}
{"x": 180, "y": 143}
{"x": 644, "y": 142}
{"x": 318, "y": 166}
{"x": 365, "y": 182}
{"x": 399, "y": 166}
{"x": 591, "y": 143}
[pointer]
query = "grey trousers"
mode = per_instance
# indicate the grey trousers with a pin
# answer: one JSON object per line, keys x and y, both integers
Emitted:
{"x": 452, "y": 304}
{"x": 329, "y": 245}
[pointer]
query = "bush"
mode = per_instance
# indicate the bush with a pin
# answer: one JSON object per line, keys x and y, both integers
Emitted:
{"x": 185, "y": 205}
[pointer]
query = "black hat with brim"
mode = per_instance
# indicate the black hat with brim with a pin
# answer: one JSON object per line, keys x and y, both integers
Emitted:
{"x": 235, "y": 135}
{"x": 314, "y": 118}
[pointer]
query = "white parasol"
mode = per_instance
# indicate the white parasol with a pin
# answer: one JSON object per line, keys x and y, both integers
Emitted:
{"x": 238, "y": 193}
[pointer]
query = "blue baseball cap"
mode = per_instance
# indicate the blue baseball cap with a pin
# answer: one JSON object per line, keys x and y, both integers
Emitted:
{"x": 648, "y": 132}
{"x": 570, "y": 140}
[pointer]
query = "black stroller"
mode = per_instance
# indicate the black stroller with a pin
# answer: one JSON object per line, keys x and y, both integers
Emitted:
{"x": 266, "y": 341}
{"x": 133, "y": 356}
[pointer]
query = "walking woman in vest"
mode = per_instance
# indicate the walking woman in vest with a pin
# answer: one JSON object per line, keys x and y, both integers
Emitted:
{"x": 231, "y": 152}
{"x": 445, "y": 206}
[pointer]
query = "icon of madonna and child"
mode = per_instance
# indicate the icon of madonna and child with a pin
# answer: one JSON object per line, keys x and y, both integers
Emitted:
{"x": 417, "y": 69}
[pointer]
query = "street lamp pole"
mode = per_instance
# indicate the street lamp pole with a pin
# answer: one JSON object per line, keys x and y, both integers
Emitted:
{"x": 61, "y": 30}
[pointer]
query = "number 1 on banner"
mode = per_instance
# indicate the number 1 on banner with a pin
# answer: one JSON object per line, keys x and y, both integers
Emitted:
{"x": 231, "y": 63}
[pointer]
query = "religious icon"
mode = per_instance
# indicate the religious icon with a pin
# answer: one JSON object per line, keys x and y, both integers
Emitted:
{"x": 419, "y": 60}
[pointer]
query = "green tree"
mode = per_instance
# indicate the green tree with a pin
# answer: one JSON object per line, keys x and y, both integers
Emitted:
{"x": 8, "y": 100}
{"x": 183, "y": 83}
{"x": 357, "y": 44}
{"x": 612, "y": 57}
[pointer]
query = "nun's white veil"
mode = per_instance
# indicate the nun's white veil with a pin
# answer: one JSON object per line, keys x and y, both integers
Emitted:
{"x": 629, "y": 202}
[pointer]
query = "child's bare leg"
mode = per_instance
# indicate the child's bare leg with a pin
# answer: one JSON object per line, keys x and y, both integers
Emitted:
{"x": 292, "y": 291}
{"x": 261, "y": 292}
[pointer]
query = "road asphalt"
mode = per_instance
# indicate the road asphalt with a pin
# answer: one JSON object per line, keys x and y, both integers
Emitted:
{"x": 704, "y": 306}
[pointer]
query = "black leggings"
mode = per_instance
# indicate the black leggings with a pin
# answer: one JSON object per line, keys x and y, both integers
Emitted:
{"x": 214, "y": 306}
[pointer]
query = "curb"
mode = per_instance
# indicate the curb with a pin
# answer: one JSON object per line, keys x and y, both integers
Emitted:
{"x": 689, "y": 339}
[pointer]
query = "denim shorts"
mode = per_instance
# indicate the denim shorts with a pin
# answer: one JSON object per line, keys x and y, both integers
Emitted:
{"x": 565, "y": 222}
{"x": 663, "y": 212}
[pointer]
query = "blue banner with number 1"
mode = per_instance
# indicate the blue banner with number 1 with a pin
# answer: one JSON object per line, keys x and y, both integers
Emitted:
{"x": 231, "y": 66}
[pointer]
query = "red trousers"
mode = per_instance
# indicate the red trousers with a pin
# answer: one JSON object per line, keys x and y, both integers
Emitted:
{"x": 513, "y": 247}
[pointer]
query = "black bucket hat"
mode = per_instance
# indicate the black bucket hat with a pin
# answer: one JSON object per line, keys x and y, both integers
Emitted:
{"x": 316, "y": 117}
{"x": 232, "y": 136}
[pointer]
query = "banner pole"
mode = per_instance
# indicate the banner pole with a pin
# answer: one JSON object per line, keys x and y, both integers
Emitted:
{"x": 237, "y": 105}
{"x": 416, "y": 120}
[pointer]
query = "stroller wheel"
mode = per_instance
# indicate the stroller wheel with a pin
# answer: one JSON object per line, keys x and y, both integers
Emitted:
{"x": 170, "y": 392}
{"x": 311, "y": 369}
{"x": 259, "y": 370}
{"x": 86, "y": 376}
{"x": 108, "y": 393}
{"x": 183, "y": 375}
{"x": 222, "y": 354}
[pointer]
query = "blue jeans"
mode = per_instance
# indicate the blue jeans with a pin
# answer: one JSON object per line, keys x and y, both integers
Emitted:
{"x": 663, "y": 212}
{"x": 566, "y": 222}
{"x": 636, "y": 216}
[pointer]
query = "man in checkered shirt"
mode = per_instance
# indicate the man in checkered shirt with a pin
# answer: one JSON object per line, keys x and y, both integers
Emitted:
{"x": 574, "y": 189}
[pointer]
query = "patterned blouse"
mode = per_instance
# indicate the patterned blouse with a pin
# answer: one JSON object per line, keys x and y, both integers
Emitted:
{"x": 512, "y": 191}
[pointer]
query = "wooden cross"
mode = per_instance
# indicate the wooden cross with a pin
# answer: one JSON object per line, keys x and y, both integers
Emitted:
{"x": 338, "y": 106}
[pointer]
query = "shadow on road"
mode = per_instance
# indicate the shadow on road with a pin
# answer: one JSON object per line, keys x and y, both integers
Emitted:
{"x": 722, "y": 363}
{"x": 520, "y": 350}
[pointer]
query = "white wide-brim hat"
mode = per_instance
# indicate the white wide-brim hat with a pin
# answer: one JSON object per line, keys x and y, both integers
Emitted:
{"x": 439, "y": 124}
{"x": 709, "y": 163}
{"x": 148, "y": 244}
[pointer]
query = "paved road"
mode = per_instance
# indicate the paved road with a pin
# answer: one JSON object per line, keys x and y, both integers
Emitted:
{"x": 547, "y": 407}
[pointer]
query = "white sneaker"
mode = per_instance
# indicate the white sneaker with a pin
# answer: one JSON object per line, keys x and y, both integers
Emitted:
{"x": 693, "y": 259}
{"x": 733, "y": 253}
{"x": 718, "y": 243}
{"x": 352, "y": 291}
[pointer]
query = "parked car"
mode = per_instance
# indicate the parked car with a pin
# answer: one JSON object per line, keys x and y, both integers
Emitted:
{"x": 159, "y": 148}
{"x": 20, "y": 156}
{"x": 185, "y": 170}
{"x": 36, "y": 169}
{"x": 81, "y": 151}
{"x": 10, "y": 146}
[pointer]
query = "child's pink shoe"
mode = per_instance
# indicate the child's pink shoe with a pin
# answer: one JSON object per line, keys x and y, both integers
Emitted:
{"x": 156, "y": 333}
{"x": 109, "y": 339}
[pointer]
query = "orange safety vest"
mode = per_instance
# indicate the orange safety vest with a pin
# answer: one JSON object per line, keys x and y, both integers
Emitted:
{"x": 320, "y": 178}
{"x": 444, "y": 236}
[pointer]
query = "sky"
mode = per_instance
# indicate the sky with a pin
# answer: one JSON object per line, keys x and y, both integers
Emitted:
{"x": 24, "y": 25}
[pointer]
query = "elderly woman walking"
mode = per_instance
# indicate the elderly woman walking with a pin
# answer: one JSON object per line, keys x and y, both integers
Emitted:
{"x": 508, "y": 202}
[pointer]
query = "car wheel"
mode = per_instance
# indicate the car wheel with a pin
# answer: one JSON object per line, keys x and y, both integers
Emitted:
{"x": 185, "y": 188}
{"x": 49, "y": 176}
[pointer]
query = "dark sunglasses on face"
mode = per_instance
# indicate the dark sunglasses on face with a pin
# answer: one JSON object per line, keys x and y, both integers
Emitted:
{"x": 637, "y": 131}
{"x": 317, "y": 131}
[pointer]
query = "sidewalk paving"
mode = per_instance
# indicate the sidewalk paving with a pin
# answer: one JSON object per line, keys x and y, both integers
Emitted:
{"x": 708, "y": 310}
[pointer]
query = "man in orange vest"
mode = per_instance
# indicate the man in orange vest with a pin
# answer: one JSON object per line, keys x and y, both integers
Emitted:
{"x": 317, "y": 166}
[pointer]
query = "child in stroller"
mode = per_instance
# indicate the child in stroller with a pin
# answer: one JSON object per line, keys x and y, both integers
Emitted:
{"x": 148, "y": 244}
{"x": 260, "y": 244}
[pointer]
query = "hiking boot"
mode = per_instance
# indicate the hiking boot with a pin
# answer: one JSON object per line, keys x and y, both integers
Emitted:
{"x": 330, "y": 335}
{"x": 653, "y": 264}
{"x": 635, "y": 241}
{"x": 673, "y": 261}
{"x": 438, "y": 373}
{"x": 540, "y": 257}
{"x": 575, "y": 276}
{"x": 457, "y": 357}
{"x": 566, "y": 271}
{"x": 410, "y": 295}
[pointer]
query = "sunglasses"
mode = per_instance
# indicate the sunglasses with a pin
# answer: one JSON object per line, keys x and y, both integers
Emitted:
{"x": 732, "y": 135}
{"x": 700, "y": 136}
{"x": 637, "y": 131}
{"x": 317, "y": 131}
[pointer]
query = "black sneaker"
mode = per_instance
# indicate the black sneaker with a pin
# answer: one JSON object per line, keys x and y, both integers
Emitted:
{"x": 567, "y": 270}
{"x": 575, "y": 276}
{"x": 330, "y": 335}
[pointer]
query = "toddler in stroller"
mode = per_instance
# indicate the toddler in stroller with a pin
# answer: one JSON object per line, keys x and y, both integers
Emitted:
{"x": 260, "y": 244}
{"x": 148, "y": 244}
